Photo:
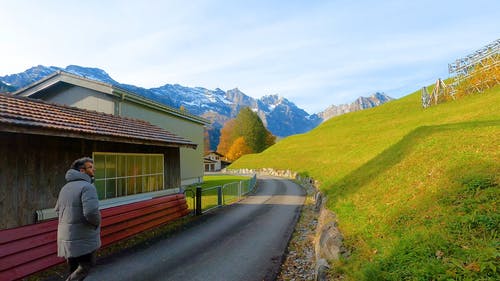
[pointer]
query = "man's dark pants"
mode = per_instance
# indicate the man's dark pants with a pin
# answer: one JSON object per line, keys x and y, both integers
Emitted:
{"x": 79, "y": 267}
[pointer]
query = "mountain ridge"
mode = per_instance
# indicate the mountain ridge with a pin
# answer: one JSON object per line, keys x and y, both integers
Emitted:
{"x": 281, "y": 116}
{"x": 359, "y": 104}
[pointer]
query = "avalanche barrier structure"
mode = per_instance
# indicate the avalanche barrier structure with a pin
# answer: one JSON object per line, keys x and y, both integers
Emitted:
{"x": 481, "y": 64}
{"x": 462, "y": 68}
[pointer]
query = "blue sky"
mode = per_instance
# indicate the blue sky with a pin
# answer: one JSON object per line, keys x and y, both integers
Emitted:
{"x": 315, "y": 53}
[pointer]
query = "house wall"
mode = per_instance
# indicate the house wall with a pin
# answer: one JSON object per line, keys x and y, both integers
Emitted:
{"x": 84, "y": 98}
{"x": 191, "y": 159}
{"x": 33, "y": 169}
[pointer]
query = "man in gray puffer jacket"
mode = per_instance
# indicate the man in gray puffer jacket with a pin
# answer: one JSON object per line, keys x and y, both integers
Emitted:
{"x": 78, "y": 232}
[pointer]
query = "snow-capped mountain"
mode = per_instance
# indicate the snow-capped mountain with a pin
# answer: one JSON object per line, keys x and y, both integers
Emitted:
{"x": 29, "y": 76}
{"x": 275, "y": 108}
{"x": 359, "y": 104}
{"x": 282, "y": 117}
{"x": 6, "y": 87}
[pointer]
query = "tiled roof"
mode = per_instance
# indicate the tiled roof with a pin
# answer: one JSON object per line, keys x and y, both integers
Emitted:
{"x": 207, "y": 160}
{"x": 59, "y": 119}
{"x": 213, "y": 152}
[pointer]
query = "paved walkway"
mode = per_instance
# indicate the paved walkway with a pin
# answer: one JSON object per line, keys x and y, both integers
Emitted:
{"x": 244, "y": 241}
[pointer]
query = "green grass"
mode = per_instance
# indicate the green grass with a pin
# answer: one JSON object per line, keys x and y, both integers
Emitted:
{"x": 216, "y": 180}
{"x": 415, "y": 190}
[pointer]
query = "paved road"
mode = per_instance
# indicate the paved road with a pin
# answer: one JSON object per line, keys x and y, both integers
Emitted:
{"x": 244, "y": 241}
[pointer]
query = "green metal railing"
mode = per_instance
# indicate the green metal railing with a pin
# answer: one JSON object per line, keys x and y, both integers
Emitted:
{"x": 202, "y": 200}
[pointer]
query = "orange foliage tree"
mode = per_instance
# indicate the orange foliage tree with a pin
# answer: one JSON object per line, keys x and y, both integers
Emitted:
{"x": 238, "y": 149}
{"x": 226, "y": 137}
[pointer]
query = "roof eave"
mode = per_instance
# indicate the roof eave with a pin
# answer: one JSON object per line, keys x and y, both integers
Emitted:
{"x": 33, "y": 130}
{"x": 65, "y": 77}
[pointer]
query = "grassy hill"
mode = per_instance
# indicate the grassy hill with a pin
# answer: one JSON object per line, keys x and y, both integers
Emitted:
{"x": 415, "y": 190}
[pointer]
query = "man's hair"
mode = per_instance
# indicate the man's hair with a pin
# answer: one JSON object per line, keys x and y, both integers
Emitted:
{"x": 80, "y": 163}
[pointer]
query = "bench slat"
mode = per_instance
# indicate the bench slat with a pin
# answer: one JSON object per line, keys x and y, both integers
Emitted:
{"x": 123, "y": 226}
{"x": 26, "y": 269}
{"x": 140, "y": 212}
{"x": 137, "y": 205}
{"x": 7, "y": 235}
{"x": 107, "y": 240}
{"x": 28, "y": 243}
{"x": 28, "y": 255}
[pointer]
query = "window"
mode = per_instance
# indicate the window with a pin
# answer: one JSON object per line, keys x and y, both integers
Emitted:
{"x": 123, "y": 174}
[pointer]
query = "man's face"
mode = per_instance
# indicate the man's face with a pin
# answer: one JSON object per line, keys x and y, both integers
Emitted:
{"x": 88, "y": 169}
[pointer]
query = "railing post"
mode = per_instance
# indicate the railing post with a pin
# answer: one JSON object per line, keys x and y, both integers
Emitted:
{"x": 220, "y": 200}
{"x": 239, "y": 189}
{"x": 198, "y": 210}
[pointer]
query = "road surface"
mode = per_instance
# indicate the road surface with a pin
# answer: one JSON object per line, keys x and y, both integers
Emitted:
{"x": 244, "y": 241}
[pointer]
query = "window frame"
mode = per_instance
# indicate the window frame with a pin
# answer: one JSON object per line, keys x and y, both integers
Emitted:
{"x": 123, "y": 191}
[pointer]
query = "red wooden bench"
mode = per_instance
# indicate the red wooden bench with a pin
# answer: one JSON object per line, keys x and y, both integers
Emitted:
{"x": 32, "y": 248}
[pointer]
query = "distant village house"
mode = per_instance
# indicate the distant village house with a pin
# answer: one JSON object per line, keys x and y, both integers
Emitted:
{"x": 214, "y": 161}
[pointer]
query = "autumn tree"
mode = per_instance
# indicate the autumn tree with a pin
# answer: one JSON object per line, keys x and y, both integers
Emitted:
{"x": 238, "y": 149}
{"x": 249, "y": 126}
{"x": 226, "y": 137}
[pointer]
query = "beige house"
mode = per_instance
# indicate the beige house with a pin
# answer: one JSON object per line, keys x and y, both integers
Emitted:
{"x": 210, "y": 165}
{"x": 215, "y": 161}
{"x": 73, "y": 90}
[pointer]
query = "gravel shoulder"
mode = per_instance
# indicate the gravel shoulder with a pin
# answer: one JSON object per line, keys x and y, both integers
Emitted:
{"x": 299, "y": 262}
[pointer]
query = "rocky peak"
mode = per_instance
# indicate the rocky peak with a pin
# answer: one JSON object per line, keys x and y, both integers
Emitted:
{"x": 91, "y": 73}
{"x": 29, "y": 76}
{"x": 359, "y": 104}
{"x": 238, "y": 97}
{"x": 271, "y": 99}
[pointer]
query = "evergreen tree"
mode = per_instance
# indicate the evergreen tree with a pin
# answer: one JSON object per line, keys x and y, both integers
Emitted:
{"x": 270, "y": 139}
{"x": 249, "y": 125}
